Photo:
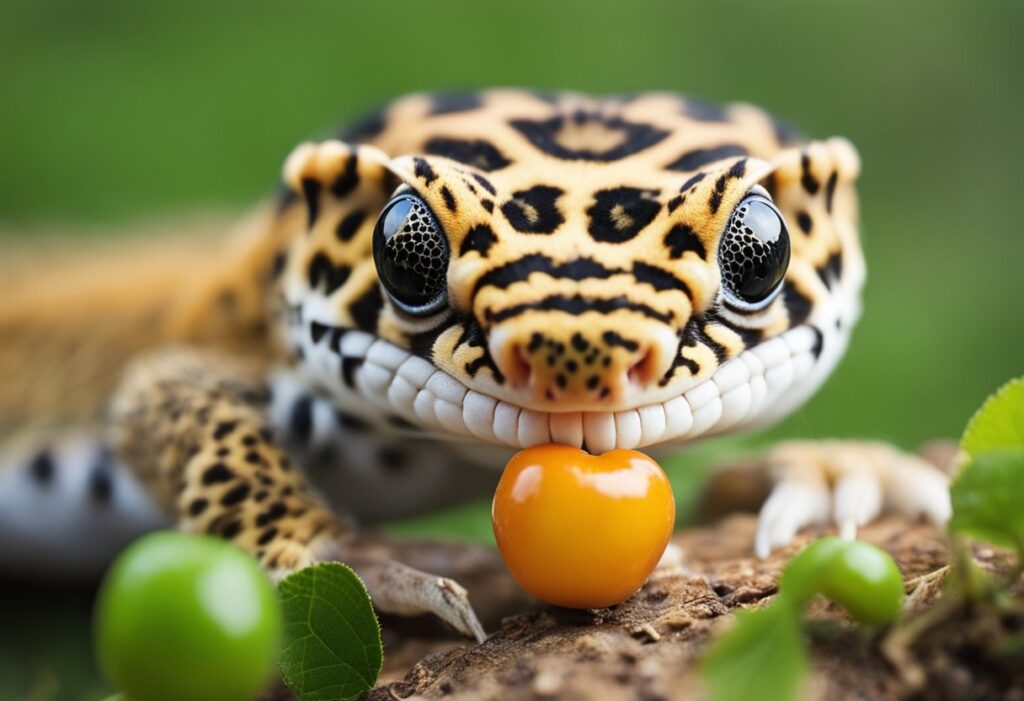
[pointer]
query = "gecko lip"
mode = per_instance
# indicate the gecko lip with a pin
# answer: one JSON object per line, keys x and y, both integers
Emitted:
{"x": 373, "y": 377}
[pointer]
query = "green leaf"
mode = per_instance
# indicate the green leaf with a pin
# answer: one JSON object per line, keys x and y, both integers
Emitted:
{"x": 332, "y": 647}
{"x": 988, "y": 499}
{"x": 762, "y": 657}
{"x": 999, "y": 423}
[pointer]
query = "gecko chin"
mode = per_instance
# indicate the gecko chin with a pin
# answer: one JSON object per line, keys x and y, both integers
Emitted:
{"x": 372, "y": 377}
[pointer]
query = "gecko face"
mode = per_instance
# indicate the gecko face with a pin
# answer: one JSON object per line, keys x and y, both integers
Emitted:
{"x": 606, "y": 273}
{"x": 580, "y": 301}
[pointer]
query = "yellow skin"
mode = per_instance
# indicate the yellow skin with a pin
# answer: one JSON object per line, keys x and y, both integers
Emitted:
{"x": 582, "y": 301}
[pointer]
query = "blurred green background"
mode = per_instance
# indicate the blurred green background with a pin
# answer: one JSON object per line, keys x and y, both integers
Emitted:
{"x": 117, "y": 112}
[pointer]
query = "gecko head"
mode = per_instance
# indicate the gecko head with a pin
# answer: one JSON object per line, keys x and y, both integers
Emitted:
{"x": 600, "y": 303}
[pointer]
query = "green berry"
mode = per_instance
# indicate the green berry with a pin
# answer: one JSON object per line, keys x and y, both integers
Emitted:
{"x": 859, "y": 577}
{"x": 187, "y": 617}
{"x": 866, "y": 582}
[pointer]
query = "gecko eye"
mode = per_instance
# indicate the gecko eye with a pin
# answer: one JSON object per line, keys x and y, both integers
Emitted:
{"x": 754, "y": 253}
{"x": 411, "y": 255}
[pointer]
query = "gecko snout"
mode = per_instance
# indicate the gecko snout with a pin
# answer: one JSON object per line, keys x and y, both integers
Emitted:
{"x": 582, "y": 366}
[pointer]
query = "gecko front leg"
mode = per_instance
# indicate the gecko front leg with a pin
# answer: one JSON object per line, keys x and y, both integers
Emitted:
{"x": 191, "y": 425}
{"x": 849, "y": 483}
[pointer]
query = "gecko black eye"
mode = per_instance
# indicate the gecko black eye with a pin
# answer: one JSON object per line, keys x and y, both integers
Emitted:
{"x": 754, "y": 253}
{"x": 411, "y": 255}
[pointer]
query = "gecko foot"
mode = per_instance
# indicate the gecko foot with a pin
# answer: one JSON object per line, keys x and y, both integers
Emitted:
{"x": 849, "y": 483}
{"x": 393, "y": 587}
{"x": 404, "y": 591}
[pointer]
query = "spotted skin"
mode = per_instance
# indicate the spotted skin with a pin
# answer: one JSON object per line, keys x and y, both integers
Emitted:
{"x": 581, "y": 301}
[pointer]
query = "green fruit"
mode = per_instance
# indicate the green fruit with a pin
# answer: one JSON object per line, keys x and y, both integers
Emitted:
{"x": 866, "y": 582}
{"x": 859, "y": 577}
{"x": 187, "y": 617}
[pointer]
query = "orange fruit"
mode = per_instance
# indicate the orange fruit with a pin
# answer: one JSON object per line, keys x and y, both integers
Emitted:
{"x": 580, "y": 530}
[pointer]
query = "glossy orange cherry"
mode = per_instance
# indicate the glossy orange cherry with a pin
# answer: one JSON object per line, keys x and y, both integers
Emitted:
{"x": 580, "y": 530}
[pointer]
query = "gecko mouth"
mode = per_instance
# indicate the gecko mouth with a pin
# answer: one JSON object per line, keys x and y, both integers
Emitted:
{"x": 373, "y": 378}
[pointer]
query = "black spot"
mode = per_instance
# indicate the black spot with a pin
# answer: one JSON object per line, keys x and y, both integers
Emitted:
{"x": 42, "y": 468}
{"x": 545, "y": 135}
{"x": 366, "y": 309}
{"x": 831, "y": 270}
{"x": 267, "y": 536}
{"x": 101, "y": 480}
{"x": 231, "y": 529}
{"x": 235, "y": 495}
{"x": 807, "y": 179}
{"x": 197, "y": 506}
{"x": 349, "y": 422}
{"x": 692, "y": 160}
{"x": 391, "y": 458}
{"x": 803, "y": 220}
{"x": 561, "y": 380}
{"x": 300, "y": 422}
{"x": 475, "y": 152}
{"x": 273, "y": 513}
{"x": 311, "y": 193}
{"x": 619, "y": 214}
{"x": 577, "y": 305}
{"x": 349, "y": 365}
{"x": 736, "y": 171}
{"x": 277, "y": 265}
{"x": 520, "y": 270}
{"x": 692, "y": 181}
{"x": 830, "y": 190}
{"x": 659, "y": 278}
{"x": 449, "y": 199}
{"x": 348, "y": 227}
{"x": 484, "y": 183}
{"x": 224, "y": 429}
{"x": 260, "y": 495}
{"x": 819, "y": 340}
{"x": 480, "y": 239}
{"x": 681, "y": 239}
{"x": 460, "y": 102}
{"x": 488, "y": 205}
{"x": 534, "y": 211}
{"x": 321, "y": 269}
{"x": 348, "y": 178}
{"x": 798, "y": 304}
{"x": 675, "y": 203}
{"x": 423, "y": 170}
{"x": 613, "y": 339}
{"x": 316, "y": 331}
{"x": 703, "y": 111}
{"x": 592, "y": 382}
{"x": 253, "y": 458}
{"x": 335, "y": 341}
{"x": 579, "y": 343}
{"x": 422, "y": 344}
{"x": 217, "y": 473}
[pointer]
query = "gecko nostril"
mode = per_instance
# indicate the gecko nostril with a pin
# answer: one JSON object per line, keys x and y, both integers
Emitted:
{"x": 519, "y": 368}
{"x": 643, "y": 371}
